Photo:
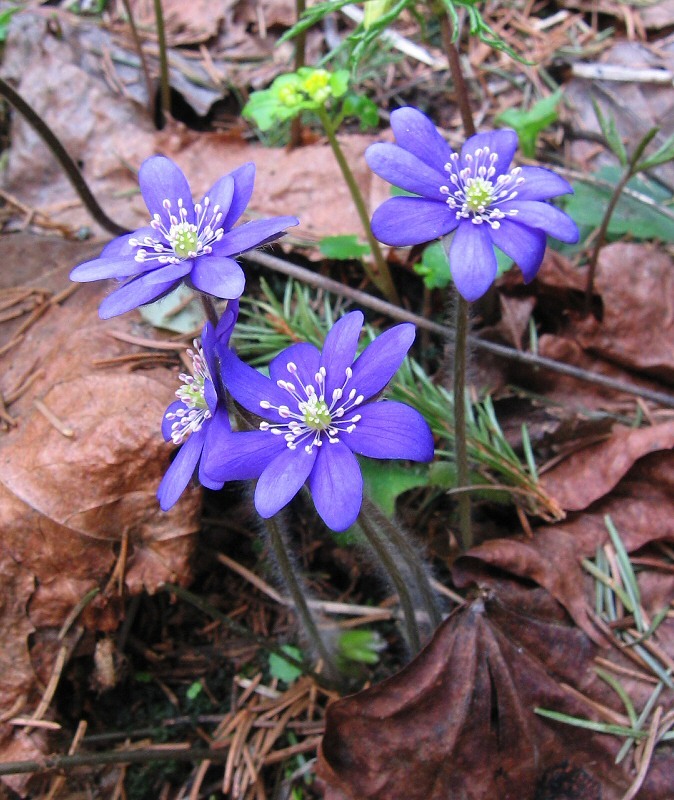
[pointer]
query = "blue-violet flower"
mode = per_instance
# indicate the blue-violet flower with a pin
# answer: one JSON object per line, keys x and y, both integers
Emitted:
{"x": 199, "y": 416}
{"x": 474, "y": 193}
{"x": 318, "y": 410}
{"x": 184, "y": 241}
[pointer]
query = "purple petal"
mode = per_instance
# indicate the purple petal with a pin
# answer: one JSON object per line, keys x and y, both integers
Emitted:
{"x": 221, "y": 195}
{"x": 225, "y": 326}
{"x": 210, "y": 395}
{"x": 169, "y": 272}
{"x": 121, "y": 247}
{"x": 304, "y": 356}
{"x": 526, "y": 246}
{"x": 241, "y": 456}
{"x": 252, "y": 234}
{"x": 218, "y": 435}
{"x": 544, "y": 216}
{"x": 282, "y": 479}
{"x": 541, "y": 184}
{"x": 219, "y": 276}
{"x": 166, "y": 424}
{"x": 244, "y": 178}
{"x": 403, "y": 221}
{"x": 406, "y": 170}
{"x": 102, "y": 268}
{"x": 135, "y": 293}
{"x": 339, "y": 349}
{"x": 503, "y": 143}
{"x": 391, "y": 430}
{"x": 336, "y": 485}
{"x": 248, "y": 387}
{"x": 381, "y": 359}
{"x": 160, "y": 179}
{"x": 472, "y": 260}
{"x": 208, "y": 346}
{"x": 417, "y": 134}
{"x": 181, "y": 470}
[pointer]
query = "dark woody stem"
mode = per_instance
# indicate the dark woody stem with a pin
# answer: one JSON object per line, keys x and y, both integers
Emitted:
{"x": 300, "y": 52}
{"x": 462, "y": 308}
{"x": 299, "y": 600}
{"x": 165, "y": 95}
{"x": 61, "y": 154}
{"x": 381, "y": 550}
{"x": 380, "y": 275}
{"x": 141, "y": 55}
{"x": 209, "y": 308}
{"x": 411, "y": 558}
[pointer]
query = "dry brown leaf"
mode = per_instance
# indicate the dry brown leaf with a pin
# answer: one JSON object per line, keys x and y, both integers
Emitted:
{"x": 636, "y": 284}
{"x": 73, "y": 487}
{"x": 458, "y": 721}
{"x": 590, "y": 473}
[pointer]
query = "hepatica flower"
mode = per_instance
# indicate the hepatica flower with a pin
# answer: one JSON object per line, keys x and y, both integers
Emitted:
{"x": 198, "y": 416}
{"x": 185, "y": 241}
{"x": 318, "y": 410}
{"x": 475, "y": 194}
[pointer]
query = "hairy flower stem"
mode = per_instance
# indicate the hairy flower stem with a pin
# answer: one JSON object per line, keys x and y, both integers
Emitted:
{"x": 301, "y": 606}
{"x": 61, "y": 155}
{"x": 409, "y": 555}
{"x": 462, "y": 307}
{"x": 209, "y": 308}
{"x": 382, "y": 551}
{"x": 601, "y": 236}
{"x": 460, "y": 434}
{"x": 380, "y": 275}
{"x": 165, "y": 94}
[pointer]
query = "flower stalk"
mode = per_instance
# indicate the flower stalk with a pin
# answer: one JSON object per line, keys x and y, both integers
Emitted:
{"x": 398, "y": 541}
{"x": 165, "y": 86}
{"x": 294, "y": 588}
{"x": 382, "y": 550}
{"x": 380, "y": 275}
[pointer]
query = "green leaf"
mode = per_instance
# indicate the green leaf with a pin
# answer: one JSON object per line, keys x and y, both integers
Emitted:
{"x": 608, "y": 128}
{"x": 5, "y": 19}
{"x": 374, "y": 10}
{"x": 174, "y": 313}
{"x": 362, "y": 646}
{"x": 339, "y": 82}
{"x": 529, "y": 124}
{"x": 630, "y": 216}
{"x": 662, "y": 155}
{"x": 343, "y": 248}
{"x": 434, "y": 267}
{"x": 386, "y": 480}
{"x": 280, "y": 669}
{"x": 357, "y": 105}
{"x": 194, "y": 690}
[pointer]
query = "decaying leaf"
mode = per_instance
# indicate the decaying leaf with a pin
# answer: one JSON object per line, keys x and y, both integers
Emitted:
{"x": 458, "y": 721}
{"x": 79, "y": 469}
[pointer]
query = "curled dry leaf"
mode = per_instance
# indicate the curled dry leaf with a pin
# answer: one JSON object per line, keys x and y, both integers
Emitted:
{"x": 590, "y": 473}
{"x": 458, "y": 721}
{"x": 636, "y": 284}
{"x": 78, "y": 483}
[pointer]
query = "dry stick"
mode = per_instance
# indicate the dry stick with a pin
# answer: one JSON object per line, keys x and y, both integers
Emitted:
{"x": 49, "y": 763}
{"x": 165, "y": 94}
{"x": 395, "y": 312}
{"x": 61, "y": 155}
{"x": 462, "y": 310}
{"x": 141, "y": 54}
{"x": 242, "y": 631}
{"x": 300, "y": 55}
{"x": 380, "y": 274}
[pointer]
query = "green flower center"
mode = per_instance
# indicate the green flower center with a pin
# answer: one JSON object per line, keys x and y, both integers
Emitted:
{"x": 479, "y": 194}
{"x": 184, "y": 239}
{"x": 316, "y": 414}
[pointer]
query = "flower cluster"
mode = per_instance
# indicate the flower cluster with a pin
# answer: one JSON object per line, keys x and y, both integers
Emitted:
{"x": 475, "y": 195}
{"x": 307, "y": 89}
{"x": 185, "y": 241}
{"x": 319, "y": 409}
